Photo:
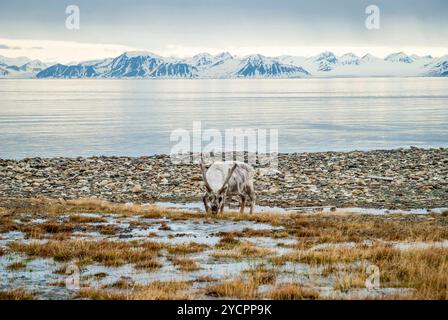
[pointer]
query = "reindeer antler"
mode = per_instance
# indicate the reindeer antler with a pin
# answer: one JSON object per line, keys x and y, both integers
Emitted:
{"x": 229, "y": 175}
{"x": 204, "y": 177}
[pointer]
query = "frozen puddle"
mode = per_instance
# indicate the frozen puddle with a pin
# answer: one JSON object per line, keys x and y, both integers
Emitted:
{"x": 46, "y": 277}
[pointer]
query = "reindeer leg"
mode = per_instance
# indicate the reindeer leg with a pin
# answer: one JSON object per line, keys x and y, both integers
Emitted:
{"x": 252, "y": 197}
{"x": 252, "y": 203}
{"x": 207, "y": 209}
{"x": 223, "y": 204}
{"x": 242, "y": 204}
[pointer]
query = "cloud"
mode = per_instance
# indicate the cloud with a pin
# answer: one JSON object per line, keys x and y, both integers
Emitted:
{"x": 5, "y": 47}
{"x": 63, "y": 51}
{"x": 380, "y": 51}
{"x": 69, "y": 51}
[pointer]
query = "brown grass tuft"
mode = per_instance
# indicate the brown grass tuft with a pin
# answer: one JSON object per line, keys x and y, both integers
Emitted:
{"x": 261, "y": 275}
{"x": 17, "y": 294}
{"x": 186, "y": 248}
{"x": 100, "y": 294}
{"x": 170, "y": 290}
{"x": 85, "y": 219}
{"x": 233, "y": 289}
{"x": 184, "y": 264}
{"x": 292, "y": 292}
{"x": 16, "y": 266}
{"x": 242, "y": 251}
{"x": 105, "y": 252}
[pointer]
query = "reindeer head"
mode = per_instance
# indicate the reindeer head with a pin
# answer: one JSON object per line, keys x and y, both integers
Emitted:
{"x": 215, "y": 199}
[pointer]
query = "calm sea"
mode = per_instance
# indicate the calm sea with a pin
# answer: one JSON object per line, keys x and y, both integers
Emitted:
{"x": 49, "y": 118}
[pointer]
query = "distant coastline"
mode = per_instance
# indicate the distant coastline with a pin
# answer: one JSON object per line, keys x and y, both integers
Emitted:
{"x": 147, "y": 65}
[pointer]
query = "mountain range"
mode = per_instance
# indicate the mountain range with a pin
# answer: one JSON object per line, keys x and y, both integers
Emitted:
{"x": 226, "y": 65}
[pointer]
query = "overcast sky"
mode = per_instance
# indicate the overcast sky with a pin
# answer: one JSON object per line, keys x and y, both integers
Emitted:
{"x": 185, "y": 27}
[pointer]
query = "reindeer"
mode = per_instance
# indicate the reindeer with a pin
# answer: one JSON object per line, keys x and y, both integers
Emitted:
{"x": 227, "y": 178}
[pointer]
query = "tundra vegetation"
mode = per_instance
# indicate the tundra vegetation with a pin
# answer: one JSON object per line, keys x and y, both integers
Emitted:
{"x": 124, "y": 251}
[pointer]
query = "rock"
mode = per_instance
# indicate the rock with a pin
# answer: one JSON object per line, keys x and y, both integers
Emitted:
{"x": 137, "y": 188}
{"x": 85, "y": 189}
{"x": 420, "y": 179}
{"x": 103, "y": 183}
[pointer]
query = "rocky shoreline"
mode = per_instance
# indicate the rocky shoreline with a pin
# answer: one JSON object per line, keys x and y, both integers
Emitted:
{"x": 392, "y": 179}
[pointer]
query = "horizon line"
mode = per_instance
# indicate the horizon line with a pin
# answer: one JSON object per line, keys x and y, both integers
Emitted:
{"x": 68, "y": 52}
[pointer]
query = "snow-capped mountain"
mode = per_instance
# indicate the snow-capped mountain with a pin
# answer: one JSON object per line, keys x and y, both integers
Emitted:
{"x": 205, "y": 60}
{"x": 325, "y": 61}
{"x": 368, "y": 58}
{"x": 438, "y": 67}
{"x": 33, "y": 66}
{"x": 147, "y": 65}
{"x": 222, "y": 57}
{"x": 261, "y": 66}
{"x": 201, "y": 60}
{"x": 228, "y": 66}
{"x": 127, "y": 65}
{"x": 19, "y": 61}
{"x": 349, "y": 59}
{"x": 399, "y": 57}
{"x": 63, "y": 71}
{"x": 21, "y": 67}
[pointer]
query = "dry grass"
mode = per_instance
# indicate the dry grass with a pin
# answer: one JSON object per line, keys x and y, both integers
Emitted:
{"x": 349, "y": 280}
{"x": 52, "y": 226}
{"x": 184, "y": 264}
{"x": 104, "y": 252}
{"x": 152, "y": 235}
{"x": 57, "y": 284}
{"x": 148, "y": 264}
{"x": 101, "y": 294}
{"x": 170, "y": 290}
{"x": 186, "y": 248}
{"x": 421, "y": 269}
{"x": 16, "y": 266}
{"x": 85, "y": 205}
{"x": 122, "y": 283}
{"x": 249, "y": 232}
{"x": 261, "y": 275}
{"x": 227, "y": 241}
{"x": 424, "y": 270}
{"x": 292, "y": 292}
{"x": 246, "y": 287}
{"x": 332, "y": 228}
{"x": 108, "y": 229}
{"x": 100, "y": 275}
{"x": 317, "y": 228}
{"x": 269, "y": 218}
{"x": 243, "y": 250}
{"x": 85, "y": 219}
{"x": 17, "y": 294}
{"x": 205, "y": 279}
{"x": 7, "y": 223}
{"x": 233, "y": 289}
